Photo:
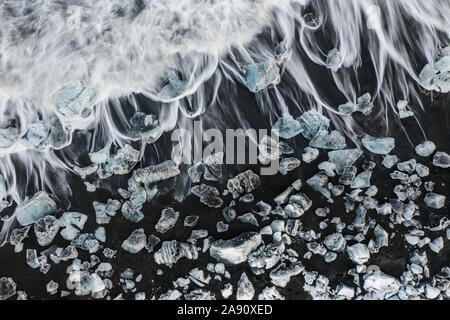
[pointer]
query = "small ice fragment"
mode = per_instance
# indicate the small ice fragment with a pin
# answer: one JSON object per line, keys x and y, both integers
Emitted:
{"x": 435, "y": 201}
{"x": 288, "y": 164}
{"x": 243, "y": 182}
{"x": 135, "y": 242}
{"x": 347, "y": 108}
{"x": 335, "y": 242}
{"x": 167, "y": 221}
{"x": 196, "y": 171}
{"x": 312, "y": 122}
{"x": 222, "y": 227}
{"x": 75, "y": 99}
{"x": 437, "y": 244}
{"x": 403, "y": 109}
{"x": 344, "y": 158}
{"x": 425, "y": 149}
{"x": 123, "y": 161}
{"x": 8, "y": 136}
{"x": 281, "y": 275}
{"x": 172, "y": 251}
{"x": 69, "y": 221}
{"x": 378, "y": 145}
{"x": 155, "y": 173}
{"x": 310, "y": 154}
{"x": 52, "y": 287}
{"x": 334, "y": 60}
{"x": 208, "y": 195}
{"x": 173, "y": 89}
{"x": 100, "y": 156}
{"x": 333, "y": 140}
{"x": 381, "y": 285}
{"x": 287, "y": 127}
{"x": 197, "y": 235}
{"x": 145, "y": 127}
{"x": 229, "y": 214}
{"x": 32, "y": 259}
{"x": 236, "y": 250}
{"x": 358, "y": 253}
{"x": 87, "y": 242}
{"x": 390, "y": 161}
{"x": 348, "y": 175}
{"x": 328, "y": 167}
{"x": 46, "y": 229}
{"x": 7, "y": 288}
{"x": 37, "y": 135}
{"x": 259, "y": 76}
{"x": 365, "y": 104}
{"x": 269, "y": 149}
{"x": 407, "y": 166}
{"x": 441, "y": 160}
{"x": 190, "y": 221}
{"x": 245, "y": 289}
{"x": 362, "y": 180}
{"x": 35, "y": 208}
{"x": 319, "y": 183}
{"x": 152, "y": 242}
{"x": 248, "y": 218}
{"x": 213, "y": 166}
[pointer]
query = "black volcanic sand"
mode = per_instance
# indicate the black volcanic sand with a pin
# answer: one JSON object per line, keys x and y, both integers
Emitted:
{"x": 392, "y": 260}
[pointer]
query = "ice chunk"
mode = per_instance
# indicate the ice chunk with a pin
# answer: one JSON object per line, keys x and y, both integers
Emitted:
{"x": 281, "y": 275}
{"x": 245, "y": 289}
{"x": 364, "y": 105}
{"x": 46, "y": 229}
{"x": 441, "y": 160}
{"x": 173, "y": 89}
{"x": 145, "y": 127}
{"x": 259, "y": 76}
{"x": 287, "y": 127}
{"x": 75, "y": 99}
{"x": 381, "y": 285}
{"x": 197, "y": 235}
{"x": 17, "y": 236}
{"x": 32, "y": 259}
{"x": 135, "y": 242}
{"x": 378, "y": 145}
{"x": 152, "y": 242}
{"x": 129, "y": 212}
{"x": 269, "y": 149}
{"x": 100, "y": 234}
{"x": 310, "y": 154}
{"x": 156, "y": 173}
{"x": 435, "y": 201}
{"x": 348, "y": 175}
{"x": 436, "y": 76}
{"x": 403, "y": 109}
{"x": 425, "y": 149}
{"x": 172, "y": 251}
{"x": 37, "y": 135}
{"x": 288, "y": 164}
{"x": 104, "y": 212}
{"x": 69, "y": 221}
{"x": 236, "y": 250}
{"x": 248, "y": 218}
{"x": 328, "y": 140}
{"x": 243, "y": 182}
{"x": 390, "y": 161}
{"x": 358, "y": 253}
{"x": 167, "y": 221}
{"x": 100, "y": 156}
{"x": 58, "y": 136}
{"x": 362, "y": 180}
{"x": 335, "y": 242}
{"x": 196, "y": 171}
{"x": 190, "y": 221}
{"x": 343, "y": 158}
{"x": 87, "y": 242}
{"x": 334, "y": 60}
{"x": 8, "y": 136}
{"x": 319, "y": 183}
{"x": 7, "y": 288}
{"x": 312, "y": 122}
{"x": 123, "y": 161}
{"x": 208, "y": 195}
{"x": 35, "y": 208}
{"x": 213, "y": 167}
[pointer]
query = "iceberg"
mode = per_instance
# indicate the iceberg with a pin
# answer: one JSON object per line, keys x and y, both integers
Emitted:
{"x": 259, "y": 76}
{"x": 378, "y": 145}
{"x": 35, "y": 208}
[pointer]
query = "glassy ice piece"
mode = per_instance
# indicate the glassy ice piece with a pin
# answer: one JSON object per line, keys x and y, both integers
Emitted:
{"x": 381, "y": 285}
{"x": 312, "y": 122}
{"x": 335, "y": 242}
{"x": 167, "y": 221}
{"x": 245, "y": 289}
{"x": 35, "y": 208}
{"x": 259, "y": 76}
{"x": 32, "y": 259}
{"x": 236, "y": 250}
{"x": 281, "y": 275}
{"x": 269, "y": 148}
{"x": 436, "y": 76}
{"x": 248, "y": 218}
{"x": 86, "y": 171}
{"x": 365, "y": 104}
{"x": 87, "y": 242}
{"x": 130, "y": 212}
{"x": 435, "y": 201}
{"x": 390, "y": 161}
{"x": 7, "y": 288}
{"x": 229, "y": 214}
{"x": 156, "y": 173}
{"x": 123, "y": 161}
{"x": 288, "y": 164}
{"x": 90, "y": 187}
{"x": 72, "y": 222}
{"x": 243, "y": 182}
{"x": 344, "y": 158}
{"x": 75, "y": 100}
{"x": 100, "y": 234}
{"x": 8, "y": 136}
{"x": 190, "y": 221}
{"x": 407, "y": 166}
{"x": 152, "y": 242}
{"x": 46, "y": 229}
{"x": 358, "y": 253}
{"x": 310, "y": 154}
{"x": 145, "y": 127}
{"x": 104, "y": 212}
{"x": 135, "y": 242}
{"x": 213, "y": 167}
{"x": 441, "y": 160}
{"x": 17, "y": 236}
{"x": 196, "y": 171}
{"x": 328, "y": 168}
{"x": 334, "y": 60}
{"x": 422, "y": 171}
{"x": 173, "y": 89}
{"x": 362, "y": 180}
{"x": 58, "y": 136}
{"x": 319, "y": 183}
{"x": 328, "y": 140}
{"x": 437, "y": 244}
{"x": 348, "y": 108}
{"x": 287, "y": 127}
{"x": 222, "y": 227}
{"x": 172, "y": 251}
{"x": 197, "y": 235}
{"x": 100, "y": 156}
{"x": 348, "y": 175}
{"x": 403, "y": 109}
{"x": 208, "y": 195}
{"x": 311, "y": 20}
{"x": 425, "y": 149}
{"x": 37, "y": 135}
{"x": 378, "y": 145}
